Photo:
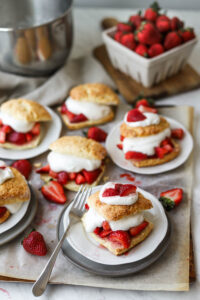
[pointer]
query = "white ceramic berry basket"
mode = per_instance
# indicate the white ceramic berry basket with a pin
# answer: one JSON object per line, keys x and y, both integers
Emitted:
{"x": 146, "y": 71}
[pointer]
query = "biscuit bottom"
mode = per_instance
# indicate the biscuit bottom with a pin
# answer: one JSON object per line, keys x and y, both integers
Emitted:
{"x": 5, "y": 217}
{"x": 114, "y": 247}
{"x": 71, "y": 185}
{"x": 88, "y": 123}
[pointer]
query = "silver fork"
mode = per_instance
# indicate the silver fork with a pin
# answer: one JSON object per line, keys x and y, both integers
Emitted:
{"x": 77, "y": 208}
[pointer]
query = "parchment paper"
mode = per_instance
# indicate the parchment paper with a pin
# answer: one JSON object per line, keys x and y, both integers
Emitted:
{"x": 170, "y": 272}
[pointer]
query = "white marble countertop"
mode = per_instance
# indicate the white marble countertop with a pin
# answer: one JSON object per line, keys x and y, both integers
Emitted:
{"x": 87, "y": 36}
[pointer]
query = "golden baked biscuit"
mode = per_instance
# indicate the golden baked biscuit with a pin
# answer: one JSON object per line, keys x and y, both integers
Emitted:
{"x": 117, "y": 250}
{"x": 95, "y": 92}
{"x": 26, "y": 110}
{"x": 79, "y": 146}
{"x": 5, "y": 217}
{"x": 14, "y": 189}
{"x": 131, "y": 132}
{"x": 117, "y": 212}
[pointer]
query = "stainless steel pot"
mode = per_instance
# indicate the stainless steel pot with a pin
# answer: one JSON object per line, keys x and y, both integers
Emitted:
{"x": 35, "y": 35}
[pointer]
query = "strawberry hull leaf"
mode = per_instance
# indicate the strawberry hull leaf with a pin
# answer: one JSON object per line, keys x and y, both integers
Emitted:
{"x": 167, "y": 203}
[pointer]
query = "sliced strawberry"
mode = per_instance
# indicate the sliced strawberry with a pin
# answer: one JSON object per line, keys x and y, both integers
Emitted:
{"x": 29, "y": 137}
{"x": 136, "y": 230}
{"x": 171, "y": 198}
{"x": 2, "y": 211}
{"x": 110, "y": 192}
{"x": 167, "y": 141}
{"x": 44, "y": 169}
{"x": 122, "y": 138}
{"x": 120, "y": 146}
{"x": 53, "y": 174}
{"x": 23, "y": 166}
{"x": 18, "y": 138}
{"x": 79, "y": 118}
{"x": 143, "y": 109}
{"x": 63, "y": 109}
{"x": 62, "y": 177}
{"x": 72, "y": 175}
{"x": 160, "y": 152}
{"x": 168, "y": 148}
{"x": 143, "y": 102}
{"x": 104, "y": 233}
{"x": 97, "y": 230}
{"x": 87, "y": 206}
{"x": 69, "y": 114}
{"x": 106, "y": 225}
{"x": 54, "y": 192}
{"x": 135, "y": 155}
{"x": 6, "y": 129}
{"x": 97, "y": 134}
{"x": 177, "y": 133}
{"x": 2, "y": 137}
{"x": 80, "y": 179}
{"x": 1, "y": 123}
{"x": 127, "y": 190}
{"x": 91, "y": 176}
{"x": 120, "y": 237}
{"x": 36, "y": 129}
{"x": 134, "y": 115}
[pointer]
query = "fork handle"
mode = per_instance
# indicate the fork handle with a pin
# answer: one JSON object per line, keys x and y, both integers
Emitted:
{"x": 41, "y": 283}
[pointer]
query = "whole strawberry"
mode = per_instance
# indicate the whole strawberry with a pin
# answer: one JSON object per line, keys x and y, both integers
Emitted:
{"x": 176, "y": 23}
{"x": 142, "y": 50}
{"x": 163, "y": 23}
{"x": 128, "y": 41}
{"x": 34, "y": 243}
{"x": 172, "y": 40}
{"x": 23, "y": 166}
{"x": 151, "y": 13}
{"x": 155, "y": 50}
{"x": 148, "y": 34}
{"x": 187, "y": 34}
{"x": 136, "y": 20}
{"x": 124, "y": 27}
{"x": 118, "y": 35}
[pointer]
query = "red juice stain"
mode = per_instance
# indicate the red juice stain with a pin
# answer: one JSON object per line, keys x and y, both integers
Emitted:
{"x": 5, "y": 292}
{"x": 128, "y": 176}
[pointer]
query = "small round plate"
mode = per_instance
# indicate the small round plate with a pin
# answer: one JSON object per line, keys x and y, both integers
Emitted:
{"x": 118, "y": 266}
{"x": 51, "y": 132}
{"x": 13, "y": 232}
{"x": 117, "y": 155}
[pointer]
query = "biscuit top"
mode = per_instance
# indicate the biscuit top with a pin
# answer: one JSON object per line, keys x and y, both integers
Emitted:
{"x": 94, "y": 92}
{"x": 14, "y": 189}
{"x": 116, "y": 212}
{"x": 127, "y": 131}
{"x": 79, "y": 146}
{"x": 26, "y": 110}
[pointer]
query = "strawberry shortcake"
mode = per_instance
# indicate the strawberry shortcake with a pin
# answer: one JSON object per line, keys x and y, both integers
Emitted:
{"x": 87, "y": 105}
{"x": 21, "y": 123}
{"x": 146, "y": 139}
{"x": 74, "y": 160}
{"x": 115, "y": 217}
{"x": 14, "y": 191}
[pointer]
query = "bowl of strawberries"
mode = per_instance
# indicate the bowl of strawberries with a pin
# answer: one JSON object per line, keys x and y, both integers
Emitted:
{"x": 150, "y": 47}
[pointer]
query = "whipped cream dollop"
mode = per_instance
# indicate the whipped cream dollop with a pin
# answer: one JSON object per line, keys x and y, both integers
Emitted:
{"x": 147, "y": 144}
{"x": 69, "y": 163}
{"x": 117, "y": 200}
{"x": 17, "y": 125}
{"x": 151, "y": 119}
{"x": 93, "y": 111}
{"x": 92, "y": 220}
{"x": 5, "y": 172}
{"x": 14, "y": 207}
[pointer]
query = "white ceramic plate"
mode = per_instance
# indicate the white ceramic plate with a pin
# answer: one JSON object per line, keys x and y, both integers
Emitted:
{"x": 117, "y": 155}
{"x": 15, "y": 218}
{"x": 86, "y": 246}
{"x": 51, "y": 133}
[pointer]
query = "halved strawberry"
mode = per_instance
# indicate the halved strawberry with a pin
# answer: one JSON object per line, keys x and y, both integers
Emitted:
{"x": 53, "y": 174}
{"x": 97, "y": 230}
{"x": 79, "y": 118}
{"x": 177, "y": 133}
{"x": 72, "y": 175}
{"x": 23, "y": 166}
{"x": 2, "y": 211}
{"x": 104, "y": 233}
{"x": 120, "y": 146}
{"x": 110, "y": 192}
{"x": 168, "y": 148}
{"x": 143, "y": 102}
{"x": 18, "y": 138}
{"x": 160, "y": 152}
{"x": 134, "y": 115}
{"x": 122, "y": 138}
{"x": 62, "y": 177}
{"x": 171, "y": 198}
{"x": 136, "y": 230}
{"x": 36, "y": 129}
{"x": 135, "y": 155}
{"x": 120, "y": 237}
{"x": 44, "y": 169}
{"x": 87, "y": 206}
{"x": 6, "y": 129}
{"x": 97, "y": 134}
{"x": 29, "y": 137}
{"x": 80, "y": 179}
{"x": 106, "y": 225}
{"x": 2, "y": 137}
{"x": 143, "y": 109}
{"x": 91, "y": 176}
{"x": 54, "y": 192}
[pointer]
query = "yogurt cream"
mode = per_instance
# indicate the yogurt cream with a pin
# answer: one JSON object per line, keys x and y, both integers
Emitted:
{"x": 151, "y": 119}
{"x": 5, "y": 172}
{"x": 145, "y": 145}
{"x": 117, "y": 200}
{"x": 92, "y": 220}
{"x": 69, "y": 163}
{"x": 17, "y": 125}
{"x": 93, "y": 111}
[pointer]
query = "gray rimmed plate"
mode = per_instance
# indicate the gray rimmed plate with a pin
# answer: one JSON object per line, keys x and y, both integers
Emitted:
{"x": 13, "y": 232}
{"x": 110, "y": 270}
